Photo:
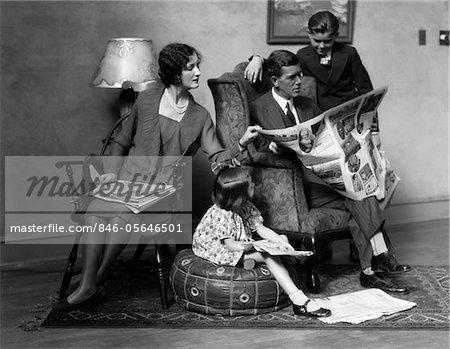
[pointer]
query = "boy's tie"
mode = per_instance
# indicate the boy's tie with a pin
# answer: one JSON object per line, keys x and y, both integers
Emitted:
{"x": 289, "y": 115}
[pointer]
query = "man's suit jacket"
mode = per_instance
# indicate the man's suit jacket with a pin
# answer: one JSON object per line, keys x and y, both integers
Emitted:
{"x": 345, "y": 79}
{"x": 267, "y": 113}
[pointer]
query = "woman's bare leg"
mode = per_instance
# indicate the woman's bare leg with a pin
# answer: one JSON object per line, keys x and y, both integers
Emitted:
{"x": 115, "y": 242}
{"x": 93, "y": 245}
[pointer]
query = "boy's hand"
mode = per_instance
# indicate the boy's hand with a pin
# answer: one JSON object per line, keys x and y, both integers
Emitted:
{"x": 253, "y": 71}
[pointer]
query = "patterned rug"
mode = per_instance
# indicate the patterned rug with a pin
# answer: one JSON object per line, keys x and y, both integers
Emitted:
{"x": 131, "y": 299}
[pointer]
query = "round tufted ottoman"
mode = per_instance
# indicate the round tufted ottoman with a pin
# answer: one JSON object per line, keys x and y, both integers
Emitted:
{"x": 205, "y": 287}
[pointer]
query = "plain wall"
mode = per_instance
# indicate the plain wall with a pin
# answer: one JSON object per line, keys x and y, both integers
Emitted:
{"x": 49, "y": 51}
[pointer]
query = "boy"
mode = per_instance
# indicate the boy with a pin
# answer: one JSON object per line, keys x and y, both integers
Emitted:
{"x": 337, "y": 67}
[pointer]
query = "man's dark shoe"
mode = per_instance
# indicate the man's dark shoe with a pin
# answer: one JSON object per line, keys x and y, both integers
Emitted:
{"x": 381, "y": 281}
{"x": 386, "y": 262}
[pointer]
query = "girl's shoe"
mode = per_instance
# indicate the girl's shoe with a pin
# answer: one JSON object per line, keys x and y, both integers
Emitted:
{"x": 64, "y": 306}
{"x": 302, "y": 311}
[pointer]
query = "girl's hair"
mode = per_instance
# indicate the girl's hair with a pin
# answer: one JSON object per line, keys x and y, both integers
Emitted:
{"x": 323, "y": 22}
{"x": 230, "y": 189}
{"x": 172, "y": 60}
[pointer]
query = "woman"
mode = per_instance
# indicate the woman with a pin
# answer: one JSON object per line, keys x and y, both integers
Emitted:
{"x": 165, "y": 121}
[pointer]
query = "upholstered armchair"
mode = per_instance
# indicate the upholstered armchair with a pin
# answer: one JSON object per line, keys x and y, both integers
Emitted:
{"x": 279, "y": 192}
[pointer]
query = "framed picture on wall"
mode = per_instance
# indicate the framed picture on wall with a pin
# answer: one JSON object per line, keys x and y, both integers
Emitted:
{"x": 287, "y": 20}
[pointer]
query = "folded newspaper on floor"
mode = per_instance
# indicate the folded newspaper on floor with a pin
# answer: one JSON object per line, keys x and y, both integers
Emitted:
{"x": 136, "y": 196}
{"x": 360, "y": 306}
{"x": 276, "y": 249}
{"x": 337, "y": 146}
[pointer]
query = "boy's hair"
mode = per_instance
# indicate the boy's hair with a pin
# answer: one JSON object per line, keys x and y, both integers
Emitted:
{"x": 173, "y": 60}
{"x": 230, "y": 189}
{"x": 279, "y": 59}
{"x": 323, "y": 22}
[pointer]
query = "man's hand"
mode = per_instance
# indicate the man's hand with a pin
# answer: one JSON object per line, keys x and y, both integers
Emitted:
{"x": 254, "y": 71}
{"x": 249, "y": 136}
{"x": 376, "y": 139}
{"x": 276, "y": 149}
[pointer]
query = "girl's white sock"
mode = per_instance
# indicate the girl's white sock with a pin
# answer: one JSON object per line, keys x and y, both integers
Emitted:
{"x": 299, "y": 298}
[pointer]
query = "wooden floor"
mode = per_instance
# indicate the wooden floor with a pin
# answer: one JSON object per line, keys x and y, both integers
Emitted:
{"x": 22, "y": 288}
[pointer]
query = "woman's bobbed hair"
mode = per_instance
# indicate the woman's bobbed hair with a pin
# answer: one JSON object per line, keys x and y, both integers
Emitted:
{"x": 173, "y": 58}
{"x": 230, "y": 189}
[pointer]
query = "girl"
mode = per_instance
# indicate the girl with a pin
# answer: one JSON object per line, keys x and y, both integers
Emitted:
{"x": 224, "y": 234}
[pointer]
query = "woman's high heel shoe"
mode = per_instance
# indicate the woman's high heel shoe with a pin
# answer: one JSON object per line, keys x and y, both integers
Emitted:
{"x": 302, "y": 311}
{"x": 64, "y": 305}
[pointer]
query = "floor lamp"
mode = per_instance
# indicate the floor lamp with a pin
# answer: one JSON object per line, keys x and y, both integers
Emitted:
{"x": 128, "y": 64}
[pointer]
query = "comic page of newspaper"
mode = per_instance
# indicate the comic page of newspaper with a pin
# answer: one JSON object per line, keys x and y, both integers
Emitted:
{"x": 337, "y": 146}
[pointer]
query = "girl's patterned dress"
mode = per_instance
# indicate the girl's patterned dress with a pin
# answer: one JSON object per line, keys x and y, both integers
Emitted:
{"x": 217, "y": 225}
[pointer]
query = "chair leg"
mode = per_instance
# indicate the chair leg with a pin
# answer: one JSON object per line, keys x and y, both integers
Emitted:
{"x": 161, "y": 277}
{"x": 312, "y": 276}
{"x": 139, "y": 251}
{"x": 387, "y": 240}
{"x": 68, "y": 272}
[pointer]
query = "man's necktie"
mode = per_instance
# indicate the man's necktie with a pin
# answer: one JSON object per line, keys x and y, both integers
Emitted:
{"x": 289, "y": 115}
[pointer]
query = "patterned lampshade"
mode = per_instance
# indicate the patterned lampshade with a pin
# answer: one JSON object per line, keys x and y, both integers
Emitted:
{"x": 126, "y": 60}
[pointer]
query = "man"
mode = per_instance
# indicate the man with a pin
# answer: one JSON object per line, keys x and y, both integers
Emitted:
{"x": 284, "y": 107}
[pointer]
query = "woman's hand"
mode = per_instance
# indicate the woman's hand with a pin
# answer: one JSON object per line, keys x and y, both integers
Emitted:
{"x": 106, "y": 178}
{"x": 254, "y": 71}
{"x": 102, "y": 180}
{"x": 249, "y": 136}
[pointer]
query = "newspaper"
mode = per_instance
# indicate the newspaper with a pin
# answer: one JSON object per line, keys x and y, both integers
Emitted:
{"x": 276, "y": 249}
{"x": 337, "y": 146}
{"x": 360, "y": 306}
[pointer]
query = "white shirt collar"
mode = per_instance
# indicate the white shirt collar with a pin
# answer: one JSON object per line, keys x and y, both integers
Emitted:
{"x": 282, "y": 103}
{"x": 325, "y": 60}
